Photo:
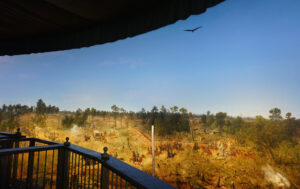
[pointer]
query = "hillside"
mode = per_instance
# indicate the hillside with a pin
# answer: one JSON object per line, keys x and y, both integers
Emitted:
{"x": 186, "y": 160}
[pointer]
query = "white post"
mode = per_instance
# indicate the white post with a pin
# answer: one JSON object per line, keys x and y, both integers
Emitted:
{"x": 153, "y": 155}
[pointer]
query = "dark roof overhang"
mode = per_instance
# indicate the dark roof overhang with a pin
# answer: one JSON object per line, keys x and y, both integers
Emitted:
{"x": 35, "y": 26}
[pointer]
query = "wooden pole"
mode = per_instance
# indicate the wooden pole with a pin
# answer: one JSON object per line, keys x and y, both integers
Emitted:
{"x": 153, "y": 152}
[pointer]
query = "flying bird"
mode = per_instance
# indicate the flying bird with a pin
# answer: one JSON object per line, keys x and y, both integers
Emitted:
{"x": 192, "y": 30}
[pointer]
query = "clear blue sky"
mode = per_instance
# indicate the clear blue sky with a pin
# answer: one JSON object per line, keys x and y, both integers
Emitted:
{"x": 244, "y": 61}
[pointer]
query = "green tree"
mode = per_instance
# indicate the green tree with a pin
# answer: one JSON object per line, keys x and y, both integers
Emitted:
{"x": 115, "y": 111}
{"x": 67, "y": 122}
{"x": 266, "y": 135}
{"x": 220, "y": 119}
{"x": 142, "y": 115}
{"x": 80, "y": 117}
{"x": 163, "y": 109}
{"x": 174, "y": 109}
{"x": 131, "y": 115}
{"x": 93, "y": 111}
{"x": 288, "y": 115}
{"x": 203, "y": 119}
{"x": 235, "y": 125}
{"x": 183, "y": 110}
{"x": 153, "y": 115}
{"x": 41, "y": 107}
{"x": 275, "y": 114}
{"x": 154, "y": 109}
{"x": 123, "y": 112}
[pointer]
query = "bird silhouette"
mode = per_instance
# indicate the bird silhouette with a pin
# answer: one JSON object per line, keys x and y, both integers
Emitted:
{"x": 192, "y": 30}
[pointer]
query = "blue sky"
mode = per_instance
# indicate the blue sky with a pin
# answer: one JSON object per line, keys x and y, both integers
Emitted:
{"x": 244, "y": 61}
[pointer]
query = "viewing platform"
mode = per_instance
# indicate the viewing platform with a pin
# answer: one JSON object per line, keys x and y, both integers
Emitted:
{"x": 37, "y": 163}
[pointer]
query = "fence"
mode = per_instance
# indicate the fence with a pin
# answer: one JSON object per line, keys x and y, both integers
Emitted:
{"x": 36, "y": 163}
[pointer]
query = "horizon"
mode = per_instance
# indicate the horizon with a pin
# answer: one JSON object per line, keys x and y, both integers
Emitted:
{"x": 149, "y": 110}
{"x": 243, "y": 61}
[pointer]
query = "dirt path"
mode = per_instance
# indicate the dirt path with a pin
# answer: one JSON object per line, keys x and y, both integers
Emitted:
{"x": 139, "y": 135}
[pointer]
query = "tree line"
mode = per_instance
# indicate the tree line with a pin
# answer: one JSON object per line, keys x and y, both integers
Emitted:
{"x": 276, "y": 137}
{"x": 10, "y": 114}
{"x": 166, "y": 121}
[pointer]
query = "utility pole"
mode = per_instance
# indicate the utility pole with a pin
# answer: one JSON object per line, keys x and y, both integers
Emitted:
{"x": 153, "y": 152}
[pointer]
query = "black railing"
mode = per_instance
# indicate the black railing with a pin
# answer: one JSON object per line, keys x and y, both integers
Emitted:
{"x": 36, "y": 163}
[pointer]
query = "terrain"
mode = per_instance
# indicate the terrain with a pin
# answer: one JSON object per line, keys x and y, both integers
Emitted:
{"x": 201, "y": 158}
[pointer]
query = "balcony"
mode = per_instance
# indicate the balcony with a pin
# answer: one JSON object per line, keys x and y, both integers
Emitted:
{"x": 37, "y": 163}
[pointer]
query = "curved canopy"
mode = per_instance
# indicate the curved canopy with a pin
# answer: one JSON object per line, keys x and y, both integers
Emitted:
{"x": 34, "y": 26}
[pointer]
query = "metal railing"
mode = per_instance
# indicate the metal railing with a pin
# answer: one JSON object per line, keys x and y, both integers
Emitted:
{"x": 36, "y": 163}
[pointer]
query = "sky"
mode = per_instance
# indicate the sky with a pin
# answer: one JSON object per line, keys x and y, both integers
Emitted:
{"x": 244, "y": 60}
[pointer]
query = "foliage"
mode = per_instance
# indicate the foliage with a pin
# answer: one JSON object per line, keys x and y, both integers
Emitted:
{"x": 42, "y": 108}
{"x": 275, "y": 114}
{"x": 166, "y": 121}
{"x": 220, "y": 119}
{"x": 9, "y": 115}
{"x": 79, "y": 118}
{"x": 39, "y": 119}
{"x": 68, "y": 121}
{"x": 274, "y": 138}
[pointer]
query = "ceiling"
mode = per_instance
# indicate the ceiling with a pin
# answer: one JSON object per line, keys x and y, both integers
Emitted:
{"x": 35, "y": 26}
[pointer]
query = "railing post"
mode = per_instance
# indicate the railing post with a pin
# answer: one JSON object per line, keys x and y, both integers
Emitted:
{"x": 63, "y": 161}
{"x": 30, "y": 165}
{"x": 6, "y": 161}
{"x": 104, "y": 171}
{"x": 4, "y": 171}
{"x": 18, "y": 134}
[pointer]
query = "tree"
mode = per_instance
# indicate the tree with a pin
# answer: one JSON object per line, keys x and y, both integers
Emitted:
{"x": 220, "y": 119}
{"x": 67, "y": 122}
{"x": 290, "y": 125}
{"x": 174, "y": 109}
{"x": 1, "y": 116}
{"x": 288, "y": 115}
{"x": 236, "y": 125}
{"x": 267, "y": 135}
{"x": 4, "y": 108}
{"x": 80, "y": 117}
{"x": 88, "y": 111}
{"x": 142, "y": 115}
{"x": 123, "y": 111}
{"x": 115, "y": 110}
{"x": 93, "y": 111}
{"x": 153, "y": 115}
{"x": 203, "y": 119}
{"x": 275, "y": 114}
{"x": 208, "y": 113}
{"x": 183, "y": 110}
{"x": 210, "y": 119}
{"x": 163, "y": 109}
{"x": 154, "y": 109}
{"x": 131, "y": 115}
{"x": 41, "y": 107}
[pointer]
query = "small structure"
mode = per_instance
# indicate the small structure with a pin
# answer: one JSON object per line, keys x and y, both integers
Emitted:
{"x": 97, "y": 135}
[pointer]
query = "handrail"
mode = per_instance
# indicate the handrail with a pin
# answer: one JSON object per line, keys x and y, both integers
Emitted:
{"x": 128, "y": 172}
{"x": 134, "y": 175}
{"x": 65, "y": 157}
{"x": 38, "y": 140}
{"x": 8, "y": 151}
{"x": 7, "y": 133}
